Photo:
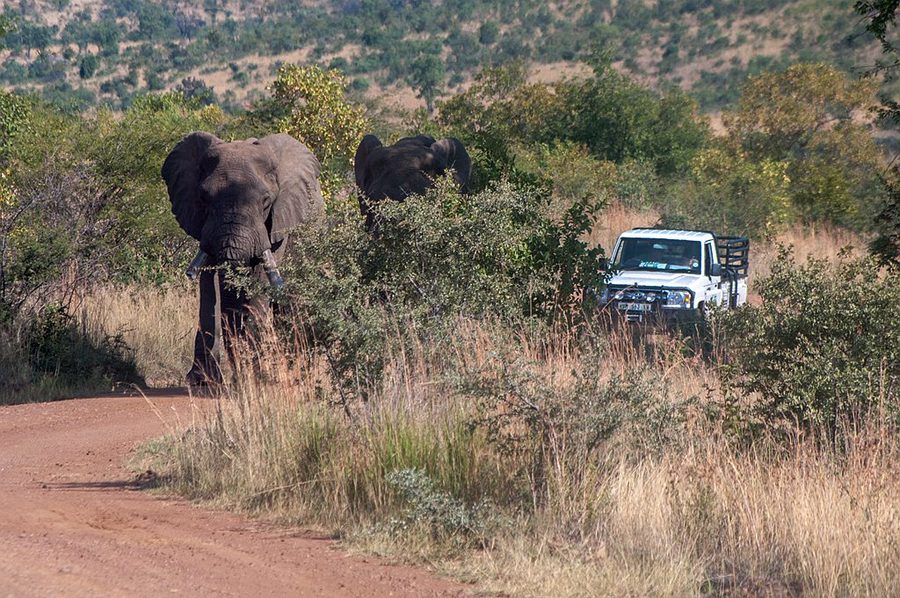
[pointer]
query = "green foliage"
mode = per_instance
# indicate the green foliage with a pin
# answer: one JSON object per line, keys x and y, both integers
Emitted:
{"x": 87, "y": 67}
{"x": 6, "y": 26}
{"x": 573, "y": 176}
{"x": 823, "y": 349}
{"x": 494, "y": 254}
{"x": 311, "y": 104}
{"x": 427, "y": 78}
{"x": 14, "y": 112}
{"x": 619, "y": 119}
{"x": 882, "y": 19}
{"x": 52, "y": 357}
{"x": 615, "y": 118}
{"x": 815, "y": 120}
{"x": 886, "y": 245}
{"x": 197, "y": 90}
{"x": 57, "y": 346}
{"x": 727, "y": 193}
{"x": 465, "y": 38}
{"x": 527, "y": 409}
{"x": 488, "y": 32}
{"x": 444, "y": 516}
{"x": 79, "y": 198}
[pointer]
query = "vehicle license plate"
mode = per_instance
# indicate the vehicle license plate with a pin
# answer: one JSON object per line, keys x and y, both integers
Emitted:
{"x": 626, "y": 306}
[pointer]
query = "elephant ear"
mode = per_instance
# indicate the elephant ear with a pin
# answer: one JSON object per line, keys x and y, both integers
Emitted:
{"x": 360, "y": 169}
{"x": 183, "y": 171}
{"x": 299, "y": 198}
{"x": 450, "y": 153}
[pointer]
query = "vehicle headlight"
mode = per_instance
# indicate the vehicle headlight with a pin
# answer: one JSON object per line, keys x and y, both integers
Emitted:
{"x": 604, "y": 296}
{"x": 678, "y": 299}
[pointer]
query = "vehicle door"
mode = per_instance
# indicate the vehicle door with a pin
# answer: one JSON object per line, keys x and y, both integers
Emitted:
{"x": 713, "y": 285}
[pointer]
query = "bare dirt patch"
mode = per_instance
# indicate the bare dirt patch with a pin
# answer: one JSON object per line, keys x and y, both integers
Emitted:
{"x": 74, "y": 522}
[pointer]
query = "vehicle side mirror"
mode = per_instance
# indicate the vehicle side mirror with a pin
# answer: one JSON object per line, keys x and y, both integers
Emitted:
{"x": 715, "y": 270}
{"x": 603, "y": 264}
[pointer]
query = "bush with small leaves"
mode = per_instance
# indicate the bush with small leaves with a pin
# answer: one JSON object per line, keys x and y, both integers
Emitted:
{"x": 823, "y": 348}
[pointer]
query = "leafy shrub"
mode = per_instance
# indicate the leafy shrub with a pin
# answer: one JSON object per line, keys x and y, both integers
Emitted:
{"x": 51, "y": 356}
{"x": 439, "y": 256}
{"x": 727, "y": 193}
{"x": 310, "y": 104}
{"x": 824, "y": 347}
{"x": 528, "y": 407}
{"x": 573, "y": 175}
{"x": 886, "y": 245}
{"x": 442, "y": 514}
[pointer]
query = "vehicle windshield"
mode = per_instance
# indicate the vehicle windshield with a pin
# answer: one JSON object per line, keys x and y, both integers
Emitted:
{"x": 659, "y": 255}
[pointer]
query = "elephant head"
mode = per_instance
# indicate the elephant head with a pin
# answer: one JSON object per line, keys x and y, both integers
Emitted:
{"x": 405, "y": 168}
{"x": 240, "y": 198}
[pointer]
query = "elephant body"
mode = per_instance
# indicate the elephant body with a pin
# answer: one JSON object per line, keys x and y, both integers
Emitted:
{"x": 407, "y": 167}
{"x": 239, "y": 200}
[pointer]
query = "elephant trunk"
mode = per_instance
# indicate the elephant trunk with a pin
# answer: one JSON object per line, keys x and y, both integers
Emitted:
{"x": 193, "y": 270}
{"x": 271, "y": 268}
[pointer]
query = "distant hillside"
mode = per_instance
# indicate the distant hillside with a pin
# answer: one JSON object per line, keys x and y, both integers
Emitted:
{"x": 81, "y": 53}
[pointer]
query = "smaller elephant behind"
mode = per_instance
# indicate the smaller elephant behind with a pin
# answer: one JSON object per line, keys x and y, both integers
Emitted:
{"x": 407, "y": 167}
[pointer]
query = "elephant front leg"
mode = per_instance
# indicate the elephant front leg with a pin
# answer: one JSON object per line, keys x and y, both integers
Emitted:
{"x": 205, "y": 369}
{"x": 239, "y": 312}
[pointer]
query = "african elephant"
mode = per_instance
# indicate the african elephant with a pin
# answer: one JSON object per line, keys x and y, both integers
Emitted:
{"x": 405, "y": 168}
{"x": 239, "y": 199}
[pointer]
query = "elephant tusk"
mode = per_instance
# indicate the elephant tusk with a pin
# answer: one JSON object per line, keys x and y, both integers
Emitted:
{"x": 193, "y": 270}
{"x": 271, "y": 269}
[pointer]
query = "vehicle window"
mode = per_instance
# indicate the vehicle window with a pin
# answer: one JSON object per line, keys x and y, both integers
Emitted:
{"x": 709, "y": 257}
{"x": 660, "y": 254}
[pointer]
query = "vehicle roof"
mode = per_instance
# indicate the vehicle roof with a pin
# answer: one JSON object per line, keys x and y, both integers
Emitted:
{"x": 662, "y": 233}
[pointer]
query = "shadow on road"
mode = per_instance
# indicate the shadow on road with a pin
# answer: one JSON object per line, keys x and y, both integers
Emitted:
{"x": 142, "y": 481}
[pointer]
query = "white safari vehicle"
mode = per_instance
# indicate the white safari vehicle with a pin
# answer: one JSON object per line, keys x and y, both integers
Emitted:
{"x": 675, "y": 275}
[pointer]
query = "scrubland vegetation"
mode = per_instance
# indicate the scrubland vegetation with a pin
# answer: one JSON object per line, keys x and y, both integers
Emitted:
{"x": 447, "y": 392}
{"x": 107, "y": 52}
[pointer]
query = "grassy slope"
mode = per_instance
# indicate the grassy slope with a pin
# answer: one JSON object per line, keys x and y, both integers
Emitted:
{"x": 709, "y": 51}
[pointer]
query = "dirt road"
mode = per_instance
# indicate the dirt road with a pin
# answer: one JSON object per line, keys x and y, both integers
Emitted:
{"x": 74, "y": 523}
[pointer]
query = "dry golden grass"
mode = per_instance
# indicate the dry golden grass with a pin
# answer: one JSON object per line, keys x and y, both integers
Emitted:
{"x": 697, "y": 516}
{"x": 615, "y": 220}
{"x": 820, "y": 241}
{"x": 157, "y": 324}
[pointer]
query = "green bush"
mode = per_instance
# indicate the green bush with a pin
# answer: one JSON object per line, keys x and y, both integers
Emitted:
{"x": 823, "y": 349}
{"x": 443, "y": 515}
{"x": 494, "y": 254}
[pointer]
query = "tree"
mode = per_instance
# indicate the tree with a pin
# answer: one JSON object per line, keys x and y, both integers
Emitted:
{"x": 882, "y": 21}
{"x": 488, "y": 32}
{"x": 106, "y": 35}
{"x": 427, "y": 78}
{"x": 781, "y": 113}
{"x": 818, "y": 121}
{"x": 882, "y": 18}
{"x": 6, "y": 26}
{"x": 726, "y": 192}
{"x": 197, "y": 89}
{"x": 88, "y": 66}
{"x": 311, "y": 104}
{"x": 616, "y": 118}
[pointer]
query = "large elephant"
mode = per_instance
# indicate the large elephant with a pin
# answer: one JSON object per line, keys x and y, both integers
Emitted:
{"x": 239, "y": 199}
{"x": 405, "y": 168}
